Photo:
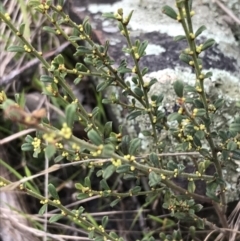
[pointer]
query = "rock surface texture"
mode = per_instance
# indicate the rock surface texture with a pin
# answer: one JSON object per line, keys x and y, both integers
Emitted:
{"x": 162, "y": 58}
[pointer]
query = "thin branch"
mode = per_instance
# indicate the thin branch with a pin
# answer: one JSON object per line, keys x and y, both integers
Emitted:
{"x": 16, "y": 136}
{"x": 227, "y": 11}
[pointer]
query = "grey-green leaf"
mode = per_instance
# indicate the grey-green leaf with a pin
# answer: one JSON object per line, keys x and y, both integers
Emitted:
{"x": 170, "y": 12}
{"x": 50, "y": 150}
{"x": 200, "y": 30}
{"x": 94, "y": 137}
{"x": 154, "y": 179}
{"x": 43, "y": 209}
{"x": 104, "y": 221}
{"x": 16, "y": 49}
{"x": 70, "y": 113}
{"x": 134, "y": 146}
{"x": 108, "y": 171}
{"x": 114, "y": 203}
{"x": 178, "y": 88}
{"x": 52, "y": 190}
{"x": 209, "y": 43}
{"x": 55, "y": 218}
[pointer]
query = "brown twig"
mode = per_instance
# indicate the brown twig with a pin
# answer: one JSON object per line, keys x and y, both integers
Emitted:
{"x": 7, "y": 79}
{"x": 227, "y": 11}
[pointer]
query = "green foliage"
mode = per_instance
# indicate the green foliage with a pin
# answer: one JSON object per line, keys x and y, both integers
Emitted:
{"x": 191, "y": 127}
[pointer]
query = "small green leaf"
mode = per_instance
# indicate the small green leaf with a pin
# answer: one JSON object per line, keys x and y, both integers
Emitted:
{"x": 204, "y": 152}
{"x": 91, "y": 235}
{"x": 175, "y": 117}
{"x": 135, "y": 190}
{"x": 49, "y": 29}
{"x": 114, "y": 203}
{"x": 138, "y": 92}
{"x": 82, "y": 196}
{"x": 104, "y": 185}
{"x": 70, "y": 113}
{"x": 81, "y": 67}
{"x": 109, "y": 15}
{"x": 144, "y": 71}
{"x": 108, "y": 149}
{"x": 107, "y": 129}
{"x": 21, "y": 28}
{"x": 161, "y": 235}
{"x": 81, "y": 210}
{"x": 209, "y": 43}
{"x": 16, "y": 49}
{"x": 95, "y": 112}
{"x": 123, "y": 70}
{"x": 142, "y": 48}
{"x": 82, "y": 50}
{"x": 170, "y": 12}
{"x": 154, "y": 159}
{"x": 43, "y": 209}
{"x": 218, "y": 103}
{"x": 185, "y": 58}
{"x": 179, "y": 215}
{"x": 46, "y": 78}
{"x": 27, "y": 147}
{"x": 104, "y": 221}
{"x": 29, "y": 139}
{"x": 232, "y": 146}
{"x": 198, "y": 103}
{"x": 50, "y": 150}
{"x": 208, "y": 74}
{"x": 60, "y": 59}
{"x": 200, "y": 30}
{"x": 87, "y": 182}
{"x": 58, "y": 158}
{"x": 152, "y": 82}
{"x": 55, "y": 218}
{"x": 102, "y": 86}
{"x": 154, "y": 179}
{"x": 200, "y": 223}
{"x": 113, "y": 235}
{"x": 200, "y": 112}
{"x": 123, "y": 168}
{"x": 179, "y": 38}
{"x": 52, "y": 190}
{"x": 198, "y": 207}
{"x": 146, "y": 133}
{"x": 33, "y": 3}
{"x": 200, "y": 134}
{"x": 125, "y": 144}
{"x": 107, "y": 101}
{"x": 108, "y": 171}
{"x": 191, "y": 187}
{"x": 128, "y": 18}
{"x": 134, "y": 114}
{"x": 74, "y": 38}
{"x": 94, "y": 137}
{"x": 235, "y": 154}
{"x": 171, "y": 165}
{"x": 234, "y": 127}
{"x": 134, "y": 146}
{"x": 178, "y": 88}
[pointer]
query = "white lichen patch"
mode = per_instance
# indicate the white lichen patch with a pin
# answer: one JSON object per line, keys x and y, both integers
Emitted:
{"x": 153, "y": 49}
